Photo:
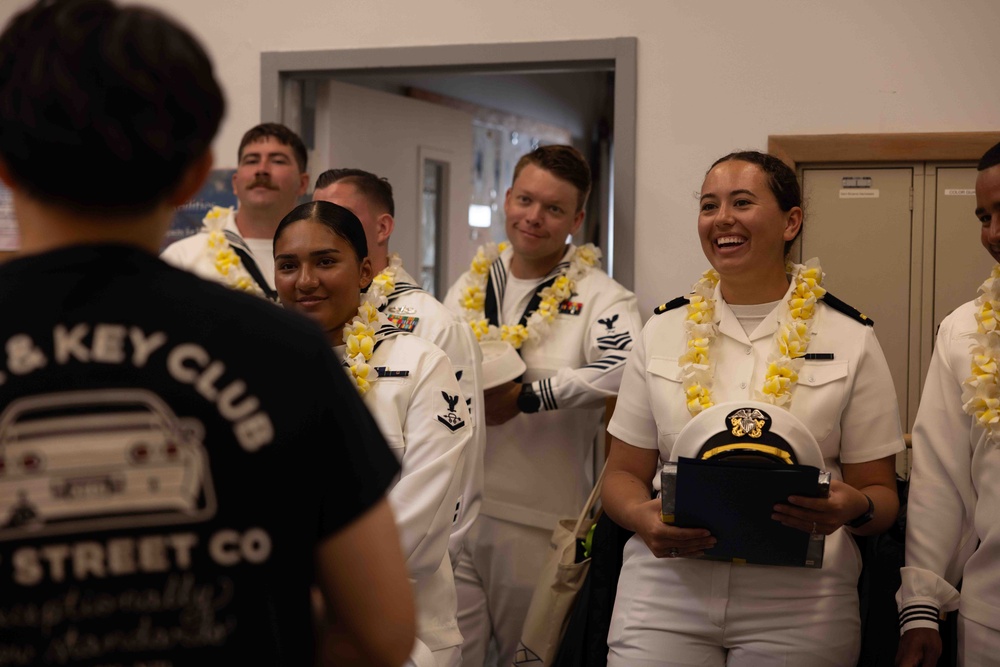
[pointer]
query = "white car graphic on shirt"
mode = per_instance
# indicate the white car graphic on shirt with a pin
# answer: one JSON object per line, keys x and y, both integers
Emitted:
{"x": 101, "y": 454}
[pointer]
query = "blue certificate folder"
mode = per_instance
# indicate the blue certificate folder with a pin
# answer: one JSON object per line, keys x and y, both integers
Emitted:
{"x": 735, "y": 502}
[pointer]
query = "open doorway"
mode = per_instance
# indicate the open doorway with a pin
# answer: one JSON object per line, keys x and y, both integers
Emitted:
{"x": 525, "y": 80}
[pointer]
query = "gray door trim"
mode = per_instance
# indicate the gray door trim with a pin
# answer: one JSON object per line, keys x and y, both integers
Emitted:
{"x": 616, "y": 54}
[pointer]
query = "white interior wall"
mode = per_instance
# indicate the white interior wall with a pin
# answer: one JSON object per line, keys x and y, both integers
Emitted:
{"x": 406, "y": 129}
{"x": 570, "y": 100}
{"x": 713, "y": 76}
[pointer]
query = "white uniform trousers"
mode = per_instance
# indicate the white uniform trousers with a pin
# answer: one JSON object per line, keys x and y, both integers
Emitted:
{"x": 686, "y": 612}
{"x": 977, "y": 644}
{"x": 421, "y": 656}
{"x": 495, "y": 578}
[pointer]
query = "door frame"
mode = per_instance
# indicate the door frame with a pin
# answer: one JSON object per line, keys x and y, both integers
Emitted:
{"x": 881, "y": 147}
{"x": 445, "y": 158}
{"x": 616, "y": 54}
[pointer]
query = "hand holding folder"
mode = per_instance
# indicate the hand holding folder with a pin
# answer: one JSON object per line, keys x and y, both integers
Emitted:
{"x": 735, "y": 502}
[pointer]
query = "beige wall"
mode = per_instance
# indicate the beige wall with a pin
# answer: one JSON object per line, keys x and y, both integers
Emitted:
{"x": 713, "y": 76}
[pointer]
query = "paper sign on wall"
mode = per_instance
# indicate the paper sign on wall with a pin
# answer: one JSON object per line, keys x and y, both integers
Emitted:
{"x": 960, "y": 192}
{"x": 859, "y": 193}
{"x": 856, "y": 182}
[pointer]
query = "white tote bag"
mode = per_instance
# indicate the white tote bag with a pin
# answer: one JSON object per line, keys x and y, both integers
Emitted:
{"x": 558, "y": 585}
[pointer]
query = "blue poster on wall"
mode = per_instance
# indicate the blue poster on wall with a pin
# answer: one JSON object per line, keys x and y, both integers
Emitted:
{"x": 217, "y": 191}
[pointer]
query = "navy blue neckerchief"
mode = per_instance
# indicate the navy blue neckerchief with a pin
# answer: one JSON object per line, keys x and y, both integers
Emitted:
{"x": 491, "y": 307}
{"x": 243, "y": 252}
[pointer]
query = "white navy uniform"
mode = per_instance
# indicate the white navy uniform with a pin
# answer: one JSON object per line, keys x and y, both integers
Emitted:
{"x": 684, "y": 611}
{"x": 538, "y": 467}
{"x": 420, "y": 409}
{"x": 412, "y": 309}
{"x": 952, "y": 531}
{"x": 191, "y": 254}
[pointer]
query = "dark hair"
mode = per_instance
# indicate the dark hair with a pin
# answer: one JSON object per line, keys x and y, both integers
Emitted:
{"x": 282, "y": 134}
{"x": 781, "y": 180}
{"x": 341, "y": 222}
{"x": 376, "y": 190}
{"x": 991, "y": 158}
{"x": 88, "y": 88}
{"x": 563, "y": 162}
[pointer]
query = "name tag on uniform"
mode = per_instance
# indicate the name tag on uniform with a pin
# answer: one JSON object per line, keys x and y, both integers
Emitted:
{"x": 384, "y": 372}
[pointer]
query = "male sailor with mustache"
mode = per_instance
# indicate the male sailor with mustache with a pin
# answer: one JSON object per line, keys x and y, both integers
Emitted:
{"x": 270, "y": 177}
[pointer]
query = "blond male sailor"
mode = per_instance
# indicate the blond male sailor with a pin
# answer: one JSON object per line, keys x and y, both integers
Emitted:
{"x": 573, "y": 326}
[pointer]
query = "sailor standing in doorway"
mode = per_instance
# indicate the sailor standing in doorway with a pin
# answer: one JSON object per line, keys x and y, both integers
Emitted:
{"x": 573, "y": 326}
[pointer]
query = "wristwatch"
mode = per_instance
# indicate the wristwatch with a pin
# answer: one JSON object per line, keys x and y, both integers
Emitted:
{"x": 867, "y": 516}
{"x": 528, "y": 401}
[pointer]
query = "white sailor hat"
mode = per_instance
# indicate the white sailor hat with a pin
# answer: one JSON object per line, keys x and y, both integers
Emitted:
{"x": 748, "y": 431}
{"x": 501, "y": 363}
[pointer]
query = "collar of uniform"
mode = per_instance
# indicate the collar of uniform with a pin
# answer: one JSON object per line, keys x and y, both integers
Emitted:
{"x": 498, "y": 279}
{"x": 233, "y": 235}
{"x": 403, "y": 277}
{"x": 730, "y": 326}
{"x": 231, "y": 225}
{"x": 404, "y": 283}
{"x": 231, "y": 230}
{"x": 385, "y": 328}
{"x": 508, "y": 254}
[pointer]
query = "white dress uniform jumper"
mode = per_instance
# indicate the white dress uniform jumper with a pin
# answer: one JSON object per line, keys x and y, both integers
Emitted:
{"x": 418, "y": 406}
{"x": 952, "y": 530}
{"x": 412, "y": 309}
{"x": 538, "y": 466}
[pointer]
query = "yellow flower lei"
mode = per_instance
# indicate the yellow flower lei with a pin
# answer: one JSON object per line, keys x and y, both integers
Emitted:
{"x": 359, "y": 334}
{"x": 981, "y": 390}
{"x": 473, "y": 296}
{"x": 791, "y": 340}
{"x": 223, "y": 257}
{"x": 384, "y": 284}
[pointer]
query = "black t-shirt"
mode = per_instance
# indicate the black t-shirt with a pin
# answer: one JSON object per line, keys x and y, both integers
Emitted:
{"x": 171, "y": 454}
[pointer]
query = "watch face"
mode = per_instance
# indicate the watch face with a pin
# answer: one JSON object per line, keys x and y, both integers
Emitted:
{"x": 528, "y": 401}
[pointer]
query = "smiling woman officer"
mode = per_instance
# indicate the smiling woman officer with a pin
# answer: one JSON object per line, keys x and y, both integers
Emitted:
{"x": 755, "y": 327}
{"x": 321, "y": 265}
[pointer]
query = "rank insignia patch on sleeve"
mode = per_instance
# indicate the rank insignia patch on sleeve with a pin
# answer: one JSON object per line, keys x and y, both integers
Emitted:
{"x": 405, "y": 322}
{"x": 450, "y": 419}
{"x": 570, "y": 307}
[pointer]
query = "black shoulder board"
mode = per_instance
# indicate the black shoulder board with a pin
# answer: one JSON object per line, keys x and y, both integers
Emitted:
{"x": 671, "y": 305}
{"x": 850, "y": 311}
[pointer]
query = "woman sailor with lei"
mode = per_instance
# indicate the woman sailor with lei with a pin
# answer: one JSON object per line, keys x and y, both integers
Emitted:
{"x": 755, "y": 328}
{"x": 321, "y": 267}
